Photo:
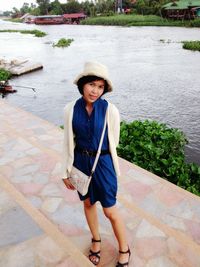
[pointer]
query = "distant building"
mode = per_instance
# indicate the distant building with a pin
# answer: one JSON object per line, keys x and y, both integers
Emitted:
{"x": 182, "y": 9}
{"x": 74, "y": 18}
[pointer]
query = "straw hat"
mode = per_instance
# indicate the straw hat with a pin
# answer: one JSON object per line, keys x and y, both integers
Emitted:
{"x": 95, "y": 69}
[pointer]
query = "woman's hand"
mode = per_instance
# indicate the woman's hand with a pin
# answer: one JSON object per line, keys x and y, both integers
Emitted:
{"x": 68, "y": 184}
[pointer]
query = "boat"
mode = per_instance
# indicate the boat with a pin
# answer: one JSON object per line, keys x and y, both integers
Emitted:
{"x": 6, "y": 88}
{"x": 49, "y": 20}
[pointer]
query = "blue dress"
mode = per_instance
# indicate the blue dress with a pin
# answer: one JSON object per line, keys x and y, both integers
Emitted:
{"x": 87, "y": 130}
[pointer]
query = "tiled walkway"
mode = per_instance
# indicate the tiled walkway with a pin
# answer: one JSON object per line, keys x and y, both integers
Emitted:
{"x": 42, "y": 224}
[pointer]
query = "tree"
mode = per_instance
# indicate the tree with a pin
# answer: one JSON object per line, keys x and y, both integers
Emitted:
{"x": 147, "y": 7}
{"x": 25, "y": 8}
{"x": 33, "y": 6}
{"x": 55, "y": 8}
{"x": 35, "y": 11}
{"x": 15, "y": 13}
{"x": 127, "y": 4}
{"x": 44, "y": 6}
{"x": 89, "y": 8}
{"x": 105, "y": 6}
{"x": 72, "y": 6}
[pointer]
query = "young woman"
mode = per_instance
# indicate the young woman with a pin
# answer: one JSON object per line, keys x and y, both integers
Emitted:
{"x": 84, "y": 120}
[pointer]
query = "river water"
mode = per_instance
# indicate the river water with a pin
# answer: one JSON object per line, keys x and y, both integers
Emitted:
{"x": 153, "y": 77}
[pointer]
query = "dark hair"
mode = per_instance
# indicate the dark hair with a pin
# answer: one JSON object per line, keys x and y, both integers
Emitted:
{"x": 90, "y": 78}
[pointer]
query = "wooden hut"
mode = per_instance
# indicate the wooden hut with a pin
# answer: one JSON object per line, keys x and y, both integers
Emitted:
{"x": 74, "y": 18}
{"x": 182, "y": 9}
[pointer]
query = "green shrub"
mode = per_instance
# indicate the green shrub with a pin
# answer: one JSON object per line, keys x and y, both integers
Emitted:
{"x": 63, "y": 42}
{"x": 190, "y": 178}
{"x": 159, "y": 149}
{"x": 195, "y": 23}
{"x": 5, "y": 75}
{"x": 191, "y": 45}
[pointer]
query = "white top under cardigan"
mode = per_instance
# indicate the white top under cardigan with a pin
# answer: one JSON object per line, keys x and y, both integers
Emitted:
{"x": 113, "y": 122}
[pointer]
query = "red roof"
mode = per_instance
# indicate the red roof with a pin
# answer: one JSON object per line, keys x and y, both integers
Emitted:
{"x": 74, "y": 15}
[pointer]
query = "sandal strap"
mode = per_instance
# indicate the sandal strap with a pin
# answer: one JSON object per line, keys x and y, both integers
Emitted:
{"x": 126, "y": 263}
{"x": 95, "y": 240}
{"x": 122, "y": 264}
{"x": 125, "y": 252}
{"x": 92, "y": 253}
{"x": 96, "y": 254}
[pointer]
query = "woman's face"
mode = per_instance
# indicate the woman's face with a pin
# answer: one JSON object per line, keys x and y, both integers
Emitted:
{"x": 93, "y": 90}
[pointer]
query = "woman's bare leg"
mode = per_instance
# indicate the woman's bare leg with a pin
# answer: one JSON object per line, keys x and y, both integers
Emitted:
{"x": 119, "y": 230}
{"x": 92, "y": 220}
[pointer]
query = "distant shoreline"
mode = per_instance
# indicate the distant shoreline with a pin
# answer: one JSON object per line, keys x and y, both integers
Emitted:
{"x": 4, "y": 17}
{"x": 139, "y": 20}
{"x": 131, "y": 20}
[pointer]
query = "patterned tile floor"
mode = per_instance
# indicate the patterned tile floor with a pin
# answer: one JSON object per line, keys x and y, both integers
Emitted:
{"x": 42, "y": 223}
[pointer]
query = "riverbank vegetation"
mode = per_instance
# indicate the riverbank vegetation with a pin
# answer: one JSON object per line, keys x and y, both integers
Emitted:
{"x": 5, "y": 75}
{"x": 127, "y": 20}
{"x": 37, "y": 33}
{"x": 191, "y": 45}
{"x": 18, "y": 20}
{"x": 63, "y": 42}
{"x": 159, "y": 149}
{"x": 138, "y": 20}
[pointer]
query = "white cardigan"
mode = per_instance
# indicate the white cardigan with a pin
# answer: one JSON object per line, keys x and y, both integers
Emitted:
{"x": 113, "y": 122}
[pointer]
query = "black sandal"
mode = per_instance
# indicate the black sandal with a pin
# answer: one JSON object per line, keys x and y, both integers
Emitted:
{"x": 95, "y": 254}
{"x": 126, "y": 263}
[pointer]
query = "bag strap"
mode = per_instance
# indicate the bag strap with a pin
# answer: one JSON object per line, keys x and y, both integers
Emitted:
{"x": 99, "y": 148}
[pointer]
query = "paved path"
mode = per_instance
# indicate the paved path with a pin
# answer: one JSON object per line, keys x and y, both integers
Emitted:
{"x": 42, "y": 223}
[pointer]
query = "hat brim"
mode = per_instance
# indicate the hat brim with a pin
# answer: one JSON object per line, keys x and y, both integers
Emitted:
{"x": 84, "y": 74}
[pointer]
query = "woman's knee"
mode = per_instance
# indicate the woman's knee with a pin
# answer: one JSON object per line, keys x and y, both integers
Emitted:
{"x": 110, "y": 213}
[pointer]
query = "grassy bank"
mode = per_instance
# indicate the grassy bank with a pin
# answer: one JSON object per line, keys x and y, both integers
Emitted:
{"x": 138, "y": 20}
{"x": 14, "y": 20}
{"x": 35, "y": 32}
